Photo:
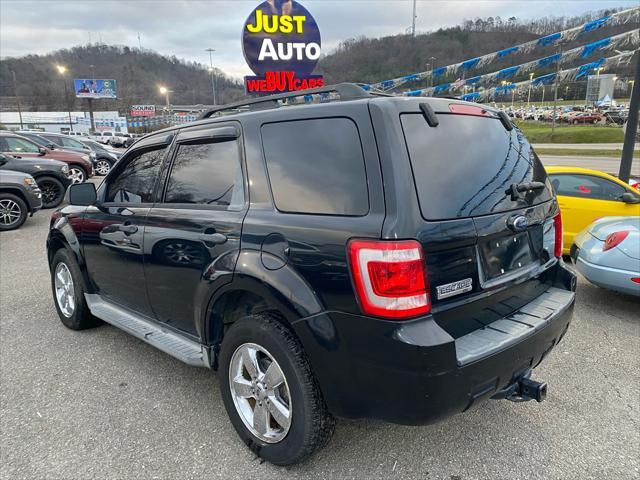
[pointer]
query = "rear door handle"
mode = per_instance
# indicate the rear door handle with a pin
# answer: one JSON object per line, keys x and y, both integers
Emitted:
{"x": 128, "y": 229}
{"x": 215, "y": 238}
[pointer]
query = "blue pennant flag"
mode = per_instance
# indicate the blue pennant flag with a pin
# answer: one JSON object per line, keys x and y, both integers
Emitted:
{"x": 546, "y": 61}
{"x": 595, "y": 46}
{"x": 438, "y": 72}
{"x": 472, "y": 80}
{"x": 507, "y": 51}
{"x": 365, "y": 87}
{"x": 595, "y": 24}
{"x": 411, "y": 78}
{"x": 442, "y": 87}
{"x": 388, "y": 84}
{"x": 503, "y": 89}
{"x": 549, "y": 39}
{"x": 584, "y": 69}
{"x": 415, "y": 93}
{"x": 544, "y": 80}
{"x": 469, "y": 97}
{"x": 508, "y": 72}
{"x": 470, "y": 63}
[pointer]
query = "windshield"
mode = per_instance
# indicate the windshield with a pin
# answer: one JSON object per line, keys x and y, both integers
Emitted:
{"x": 464, "y": 166}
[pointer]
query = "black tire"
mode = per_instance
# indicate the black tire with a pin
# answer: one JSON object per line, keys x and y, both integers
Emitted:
{"x": 13, "y": 212}
{"x": 311, "y": 423}
{"x": 52, "y": 191}
{"x": 81, "y": 317}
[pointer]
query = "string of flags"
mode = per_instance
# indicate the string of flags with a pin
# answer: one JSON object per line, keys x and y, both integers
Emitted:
{"x": 567, "y": 75}
{"x": 629, "y": 39}
{"x": 623, "y": 17}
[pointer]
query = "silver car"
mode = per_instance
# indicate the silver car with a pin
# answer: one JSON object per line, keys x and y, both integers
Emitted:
{"x": 607, "y": 253}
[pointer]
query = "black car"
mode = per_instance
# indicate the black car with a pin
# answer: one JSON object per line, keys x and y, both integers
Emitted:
{"x": 19, "y": 197}
{"x": 51, "y": 176}
{"x": 104, "y": 159}
{"x": 354, "y": 256}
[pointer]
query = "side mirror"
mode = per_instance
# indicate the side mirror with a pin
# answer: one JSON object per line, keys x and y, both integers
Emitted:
{"x": 42, "y": 151}
{"x": 3, "y": 160}
{"x": 629, "y": 197}
{"x": 52, "y": 146}
{"x": 82, "y": 194}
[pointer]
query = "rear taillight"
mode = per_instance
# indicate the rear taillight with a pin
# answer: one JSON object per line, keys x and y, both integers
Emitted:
{"x": 557, "y": 226}
{"x": 635, "y": 279}
{"x": 389, "y": 278}
{"x": 614, "y": 239}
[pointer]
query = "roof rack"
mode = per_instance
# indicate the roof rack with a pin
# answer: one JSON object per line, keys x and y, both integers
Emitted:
{"x": 346, "y": 91}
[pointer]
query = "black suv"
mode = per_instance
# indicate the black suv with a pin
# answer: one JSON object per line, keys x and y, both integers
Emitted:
{"x": 334, "y": 254}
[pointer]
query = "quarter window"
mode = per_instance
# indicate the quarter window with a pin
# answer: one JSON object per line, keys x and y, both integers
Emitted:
{"x": 136, "y": 181}
{"x": 586, "y": 186}
{"x": 316, "y": 166}
{"x": 207, "y": 173}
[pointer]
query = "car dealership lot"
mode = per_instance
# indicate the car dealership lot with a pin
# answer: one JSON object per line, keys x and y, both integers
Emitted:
{"x": 102, "y": 404}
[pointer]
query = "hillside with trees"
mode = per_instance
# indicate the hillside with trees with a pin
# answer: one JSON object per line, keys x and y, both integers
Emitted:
{"x": 139, "y": 72}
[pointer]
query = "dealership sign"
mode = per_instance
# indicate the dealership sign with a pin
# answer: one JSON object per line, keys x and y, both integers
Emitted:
{"x": 143, "y": 110}
{"x": 92, "y": 88}
{"x": 281, "y": 43}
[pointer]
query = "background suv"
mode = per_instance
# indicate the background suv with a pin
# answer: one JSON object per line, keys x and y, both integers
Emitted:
{"x": 266, "y": 245}
{"x": 19, "y": 198}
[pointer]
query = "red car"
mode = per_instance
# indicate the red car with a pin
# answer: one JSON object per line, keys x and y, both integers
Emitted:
{"x": 80, "y": 166}
{"x": 586, "y": 117}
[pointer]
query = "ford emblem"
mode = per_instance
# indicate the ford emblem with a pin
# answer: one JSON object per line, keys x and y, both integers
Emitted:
{"x": 518, "y": 224}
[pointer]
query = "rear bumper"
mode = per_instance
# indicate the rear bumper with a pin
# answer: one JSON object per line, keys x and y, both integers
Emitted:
{"x": 415, "y": 373}
{"x": 611, "y": 278}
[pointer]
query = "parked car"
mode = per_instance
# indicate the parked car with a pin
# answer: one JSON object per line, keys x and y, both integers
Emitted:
{"x": 331, "y": 293}
{"x": 120, "y": 140}
{"x": 20, "y": 197}
{"x": 51, "y": 176}
{"x": 59, "y": 141}
{"x": 585, "y": 195}
{"x": 102, "y": 137}
{"x": 106, "y": 156}
{"x": 615, "y": 117}
{"x": 607, "y": 253}
{"x": 585, "y": 117}
{"x": 80, "y": 166}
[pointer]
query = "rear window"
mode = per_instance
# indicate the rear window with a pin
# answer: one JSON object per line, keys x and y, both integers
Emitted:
{"x": 316, "y": 166}
{"x": 463, "y": 167}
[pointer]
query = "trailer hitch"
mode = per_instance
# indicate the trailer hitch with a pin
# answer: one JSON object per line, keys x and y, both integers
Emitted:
{"x": 523, "y": 390}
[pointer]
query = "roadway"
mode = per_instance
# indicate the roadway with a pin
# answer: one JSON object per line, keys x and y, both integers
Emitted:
{"x": 606, "y": 164}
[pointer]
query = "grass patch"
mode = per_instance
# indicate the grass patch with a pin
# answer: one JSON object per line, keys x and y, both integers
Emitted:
{"x": 541, "y": 133}
{"x": 577, "y": 152}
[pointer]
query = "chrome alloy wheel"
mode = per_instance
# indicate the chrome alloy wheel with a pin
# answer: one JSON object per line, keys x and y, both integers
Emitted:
{"x": 260, "y": 392}
{"x": 76, "y": 174}
{"x": 10, "y": 212}
{"x": 102, "y": 167}
{"x": 65, "y": 292}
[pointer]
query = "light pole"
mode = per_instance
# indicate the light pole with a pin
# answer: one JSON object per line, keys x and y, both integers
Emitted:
{"x": 413, "y": 20}
{"x": 433, "y": 67}
{"x": 165, "y": 91}
{"x": 211, "y": 72}
{"x": 62, "y": 70}
{"x": 529, "y": 94}
{"x": 15, "y": 94}
{"x": 632, "y": 83}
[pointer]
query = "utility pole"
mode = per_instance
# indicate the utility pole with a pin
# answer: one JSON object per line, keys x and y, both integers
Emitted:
{"x": 15, "y": 94}
{"x": 529, "y": 94}
{"x": 555, "y": 93}
{"x": 211, "y": 72}
{"x": 433, "y": 66}
{"x": 413, "y": 20}
{"x": 139, "y": 42}
{"x": 632, "y": 127}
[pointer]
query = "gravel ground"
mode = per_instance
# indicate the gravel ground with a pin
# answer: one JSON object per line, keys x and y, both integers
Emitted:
{"x": 101, "y": 404}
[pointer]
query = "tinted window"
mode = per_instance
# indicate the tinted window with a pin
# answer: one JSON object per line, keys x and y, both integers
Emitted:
{"x": 136, "y": 181}
{"x": 586, "y": 186}
{"x": 19, "y": 145}
{"x": 70, "y": 142}
{"x": 53, "y": 139}
{"x": 316, "y": 166}
{"x": 463, "y": 167}
{"x": 208, "y": 174}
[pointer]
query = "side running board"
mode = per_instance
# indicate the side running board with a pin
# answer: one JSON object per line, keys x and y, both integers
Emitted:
{"x": 185, "y": 350}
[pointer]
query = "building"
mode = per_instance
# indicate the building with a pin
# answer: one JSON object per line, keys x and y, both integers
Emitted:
{"x": 58, "y": 122}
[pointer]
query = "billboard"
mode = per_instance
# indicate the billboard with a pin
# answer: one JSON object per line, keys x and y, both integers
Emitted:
{"x": 143, "y": 110}
{"x": 92, "y": 88}
{"x": 281, "y": 43}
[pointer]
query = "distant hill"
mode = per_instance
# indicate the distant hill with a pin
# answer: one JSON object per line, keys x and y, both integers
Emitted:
{"x": 137, "y": 73}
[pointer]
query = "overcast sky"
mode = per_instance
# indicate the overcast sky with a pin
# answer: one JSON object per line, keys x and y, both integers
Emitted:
{"x": 186, "y": 27}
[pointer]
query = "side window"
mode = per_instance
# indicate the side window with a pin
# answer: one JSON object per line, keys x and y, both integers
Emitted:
{"x": 70, "y": 142}
{"x": 18, "y": 145}
{"x": 207, "y": 174}
{"x": 316, "y": 166}
{"x": 587, "y": 186}
{"x": 136, "y": 181}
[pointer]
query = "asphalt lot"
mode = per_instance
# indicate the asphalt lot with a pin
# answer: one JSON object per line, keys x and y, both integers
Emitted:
{"x": 101, "y": 404}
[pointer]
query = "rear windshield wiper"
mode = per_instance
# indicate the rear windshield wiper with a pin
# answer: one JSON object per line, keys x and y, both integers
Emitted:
{"x": 517, "y": 188}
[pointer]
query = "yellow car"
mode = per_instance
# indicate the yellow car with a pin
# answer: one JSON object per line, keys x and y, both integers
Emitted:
{"x": 585, "y": 195}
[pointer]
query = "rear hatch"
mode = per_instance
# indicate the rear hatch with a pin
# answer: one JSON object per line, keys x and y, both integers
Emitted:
{"x": 487, "y": 227}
